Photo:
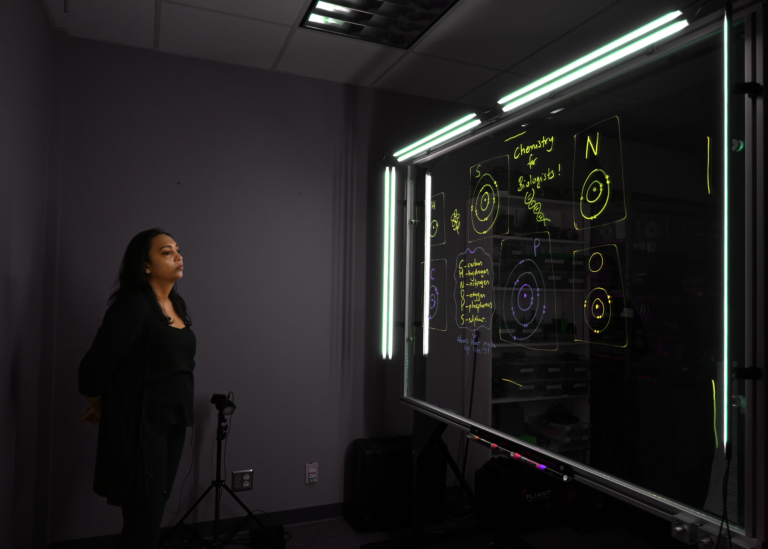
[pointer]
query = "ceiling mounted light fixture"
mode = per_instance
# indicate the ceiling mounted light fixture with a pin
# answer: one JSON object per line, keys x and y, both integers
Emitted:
{"x": 397, "y": 23}
{"x": 610, "y": 53}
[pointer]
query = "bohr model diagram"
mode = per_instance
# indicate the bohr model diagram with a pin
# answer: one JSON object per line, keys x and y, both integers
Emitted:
{"x": 597, "y": 305}
{"x": 596, "y": 192}
{"x": 485, "y": 204}
{"x": 434, "y": 301}
{"x": 525, "y": 300}
{"x": 602, "y": 301}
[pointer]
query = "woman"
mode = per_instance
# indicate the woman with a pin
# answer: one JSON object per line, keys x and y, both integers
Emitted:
{"x": 138, "y": 381}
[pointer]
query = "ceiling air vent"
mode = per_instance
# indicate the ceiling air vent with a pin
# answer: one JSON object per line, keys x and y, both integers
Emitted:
{"x": 397, "y": 23}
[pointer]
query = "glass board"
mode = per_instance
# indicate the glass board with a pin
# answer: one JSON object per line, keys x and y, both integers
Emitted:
{"x": 574, "y": 287}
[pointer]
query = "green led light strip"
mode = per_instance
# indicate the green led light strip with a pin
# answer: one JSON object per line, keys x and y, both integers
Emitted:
{"x": 391, "y": 291}
{"x": 594, "y": 55}
{"x": 445, "y": 137}
{"x": 600, "y": 63}
{"x": 427, "y": 258}
{"x": 725, "y": 238}
{"x": 385, "y": 274}
{"x": 439, "y": 132}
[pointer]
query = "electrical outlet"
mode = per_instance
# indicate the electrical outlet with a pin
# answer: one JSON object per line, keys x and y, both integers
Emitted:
{"x": 242, "y": 480}
{"x": 312, "y": 474}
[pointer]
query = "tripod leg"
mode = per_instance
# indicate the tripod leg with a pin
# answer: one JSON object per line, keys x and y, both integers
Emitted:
{"x": 245, "y": 520}
{"x": 455, "y": 468}
{"x": 189, "y": 512}
{"x": 243, "y": 505}
{"x": 216, "y": 519}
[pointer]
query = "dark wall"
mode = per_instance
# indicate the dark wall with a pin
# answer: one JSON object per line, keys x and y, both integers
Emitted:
{"x": 269, "y": 182}
{"x": 26, "y": 47}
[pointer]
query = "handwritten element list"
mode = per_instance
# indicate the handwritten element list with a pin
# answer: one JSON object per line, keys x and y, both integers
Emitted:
{"x": 473, "y": 291}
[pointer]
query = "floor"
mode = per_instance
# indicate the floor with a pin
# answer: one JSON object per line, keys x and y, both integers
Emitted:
{"x": 337, "y": 534}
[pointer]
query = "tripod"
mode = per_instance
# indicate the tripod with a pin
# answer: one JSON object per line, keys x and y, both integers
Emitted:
{"x": 219, "y": 486}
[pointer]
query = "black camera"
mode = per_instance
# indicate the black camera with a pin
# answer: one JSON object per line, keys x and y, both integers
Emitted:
{"x": 223, "y": 404}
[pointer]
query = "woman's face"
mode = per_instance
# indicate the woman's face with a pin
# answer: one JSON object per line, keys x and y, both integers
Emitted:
{"x": 165, "y": 261}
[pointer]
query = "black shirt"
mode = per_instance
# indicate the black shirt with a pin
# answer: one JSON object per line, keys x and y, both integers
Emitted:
{"x": 170, "y": 385}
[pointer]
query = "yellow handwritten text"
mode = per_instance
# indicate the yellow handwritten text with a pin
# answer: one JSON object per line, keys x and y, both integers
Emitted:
{"x": 535, "y": 181}
{"x": 595, "y": 148}
{"x": 545, "y": 143}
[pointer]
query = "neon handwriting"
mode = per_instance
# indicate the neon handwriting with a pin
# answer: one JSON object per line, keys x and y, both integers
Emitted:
{"x": 536, "y": 244}
{"x": 515, "y": 382}
{"x": 599, "y": 187}
{"x": 435, "y": 226}
{"x": 535, "y": 206}
{"x": 525, "y": 299}
{"x": 714, "y": 400}
{"x": 531, "y": 161}
{"x": 597, "y": 308}
{"x": 596, "y": 190}
{"x": 485, "y": 202}
{"x": 535, "y": 180}
{"x": 545, "y": 143}
{"x": 595, "y": 148}
{"x": 474, "y": 289}
{"x": 511, "y": 138}
{"x": 593, "y": 256}
{"x": 455, "y": 221}
{"x": 434, "y": 301}
{"x": 477, "y": 347}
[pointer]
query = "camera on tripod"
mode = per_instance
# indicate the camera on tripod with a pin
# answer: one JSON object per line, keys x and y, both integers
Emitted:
{"x": 226, "y": 408}
{"x": 223, "y": 404}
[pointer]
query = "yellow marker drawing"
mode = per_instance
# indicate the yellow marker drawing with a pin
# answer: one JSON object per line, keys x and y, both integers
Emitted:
{"x": 511, "y": 138}
{"x": 708, "y": 189}
{"x": 455, "y": 221}
{"x": 595, "y": 148}
{"x": 714, "y": 398}
{"x": 593, "y": 256}
{"x": 515, "y": 382}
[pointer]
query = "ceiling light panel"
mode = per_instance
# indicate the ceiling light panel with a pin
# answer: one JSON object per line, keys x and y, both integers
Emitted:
{"x": 397, "y": 23}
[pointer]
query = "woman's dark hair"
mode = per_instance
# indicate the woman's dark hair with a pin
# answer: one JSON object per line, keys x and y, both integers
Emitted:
{"x": 133, "y": 277}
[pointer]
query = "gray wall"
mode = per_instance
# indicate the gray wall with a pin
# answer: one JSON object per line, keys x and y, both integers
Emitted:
{"x": 26, "y": 76}
{"x": 271, "y": 185}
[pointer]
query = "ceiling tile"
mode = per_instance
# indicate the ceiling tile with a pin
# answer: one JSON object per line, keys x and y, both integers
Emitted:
{"x": 219, "y": 37}
{"x": 337, "y": 58}
{"x": 598, "y": 31}
{"x": 432, "y": 77}
{"x": 128, "y": 23}
{"x": 276, "y": 11}
{"x": 490, "y": 92}
{"x": 498, "y": 34}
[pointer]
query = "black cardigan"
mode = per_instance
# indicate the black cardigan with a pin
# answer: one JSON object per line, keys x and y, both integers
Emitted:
{"x": 134, "y": 359}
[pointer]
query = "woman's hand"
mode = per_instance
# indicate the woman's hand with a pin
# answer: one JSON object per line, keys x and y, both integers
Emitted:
{"x": 92, "y": 411}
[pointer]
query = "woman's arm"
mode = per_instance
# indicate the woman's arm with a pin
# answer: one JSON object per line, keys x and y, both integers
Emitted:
{"x": 119, "y": 331}
{"x": 92, "y": 411}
